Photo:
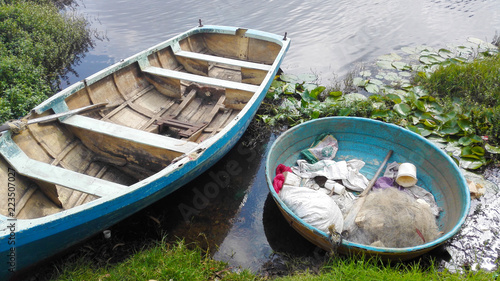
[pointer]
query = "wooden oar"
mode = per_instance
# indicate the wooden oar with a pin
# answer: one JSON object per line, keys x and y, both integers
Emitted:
{"x": 353, "y": 213}
{"x": 6, "y": 126}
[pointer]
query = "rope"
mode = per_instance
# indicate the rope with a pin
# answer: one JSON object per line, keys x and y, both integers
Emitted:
{"x": 335, "y": 239}
{"x": 18, "y": 126}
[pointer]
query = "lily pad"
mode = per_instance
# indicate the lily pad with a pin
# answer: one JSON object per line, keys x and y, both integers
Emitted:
{"x": 345, "y": 111}
{"x": 384, "y": 64}
{"x": 391, "y": 76}
{"x": 289, "y": 89}
{"x": 430, "y": 123}
{"x": 445, "y": 53}
{"x": 335, "y": 94}
{"x": 354, "y": 97}
{"x": 360, "y": 82}
{"x": 290, "y": 78}
{"x": 365, "y": 73}
{"x": 379, "y": 113}
{"x": 399, "y": 65}
{"x": 477, "y": 150}
{"x": 428, "y": 59}
{"x": 390, "y": 57}
{"x": 492, "y": 149}
{"x": 316, "y": 91}
{"x": 372, "y": 88}
{"x": 405, "y": 74}
{"x": 376, "y": 82}
{"x": 465, "y": 125}
{"x": 402, "y": 108}
{"x": 395, "y": 98}
{"x": 471, "y": 164}
{"x": 310, "y": 87}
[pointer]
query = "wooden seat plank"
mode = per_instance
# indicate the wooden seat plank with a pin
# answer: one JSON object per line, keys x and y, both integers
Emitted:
{"x": 228, "y": 61}
{"x": 53, "y": 174}
{"x": 130, "y": 134}
{"x": 167, "y": 73}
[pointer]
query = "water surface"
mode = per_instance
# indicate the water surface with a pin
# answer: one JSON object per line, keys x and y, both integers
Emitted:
{"x": 328, "y": 37}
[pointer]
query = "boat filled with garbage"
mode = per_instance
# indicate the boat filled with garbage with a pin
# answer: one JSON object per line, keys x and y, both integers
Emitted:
{"x": 332, "y": 183}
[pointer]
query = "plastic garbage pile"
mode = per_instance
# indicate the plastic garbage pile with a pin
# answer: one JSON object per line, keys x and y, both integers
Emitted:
{"x": 396, "y": 213}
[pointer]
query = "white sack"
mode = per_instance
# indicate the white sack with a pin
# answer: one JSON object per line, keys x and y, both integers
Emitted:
{"x": 314, "y": 207}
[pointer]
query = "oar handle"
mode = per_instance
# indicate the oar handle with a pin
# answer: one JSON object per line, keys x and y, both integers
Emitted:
{"x": 48, "y": 118}
{"x": 4, "y": 127}
{"x": 374, "y": 179}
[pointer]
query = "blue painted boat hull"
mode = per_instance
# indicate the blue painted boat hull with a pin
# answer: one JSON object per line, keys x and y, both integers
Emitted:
{"x": 37, "y": 239}
{"x": 370, "y": 140}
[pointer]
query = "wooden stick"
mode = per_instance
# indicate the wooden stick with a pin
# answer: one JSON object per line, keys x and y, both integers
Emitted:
{"x": 353, "y": 213}
{"x": 6, "y": 127}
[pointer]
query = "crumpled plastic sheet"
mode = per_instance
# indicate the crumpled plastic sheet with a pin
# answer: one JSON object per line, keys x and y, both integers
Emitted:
{"x": 346, "y": 171}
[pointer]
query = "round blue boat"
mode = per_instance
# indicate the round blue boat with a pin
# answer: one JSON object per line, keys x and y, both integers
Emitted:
{"x": 370, "y": 140}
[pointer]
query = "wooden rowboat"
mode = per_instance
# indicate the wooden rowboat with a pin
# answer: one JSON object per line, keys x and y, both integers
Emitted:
{"x": 171, "y": 112}
{"x": 370, "y": 140}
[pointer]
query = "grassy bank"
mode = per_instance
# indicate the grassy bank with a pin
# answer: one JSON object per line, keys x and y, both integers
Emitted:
{"x": 162, "y": 261}
{"x": 159, "y": 261}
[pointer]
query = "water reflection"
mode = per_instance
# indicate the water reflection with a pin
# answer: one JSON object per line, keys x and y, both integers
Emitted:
{"x": 328, "y": 37}
{"x": 245, "y": 245}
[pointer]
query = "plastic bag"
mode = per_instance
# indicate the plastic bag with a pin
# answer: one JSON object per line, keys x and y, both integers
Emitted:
{"x": 314, "y": 207}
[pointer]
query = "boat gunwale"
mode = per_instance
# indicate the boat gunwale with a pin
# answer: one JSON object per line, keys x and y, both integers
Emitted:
{"x": 348, "y": 245}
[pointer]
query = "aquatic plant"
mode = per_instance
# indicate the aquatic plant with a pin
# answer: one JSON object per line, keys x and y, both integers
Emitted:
{"x": 388, "y": 91}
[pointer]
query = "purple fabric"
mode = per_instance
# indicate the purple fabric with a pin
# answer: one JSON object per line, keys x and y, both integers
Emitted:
{"x": 384, "y": 182}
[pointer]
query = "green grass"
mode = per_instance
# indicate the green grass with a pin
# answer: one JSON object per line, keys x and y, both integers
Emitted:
{"x": 474, "y": 82}
{"x": 159, "y": 261}
{"x": 163, "y": 261}
{"x": 373, "y": 269}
